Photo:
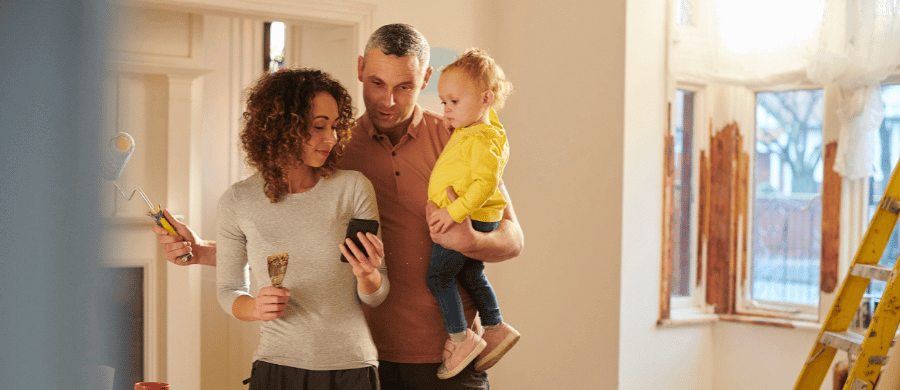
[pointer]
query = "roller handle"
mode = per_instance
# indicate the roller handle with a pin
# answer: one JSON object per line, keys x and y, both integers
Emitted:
{"x": 164, "y": 223}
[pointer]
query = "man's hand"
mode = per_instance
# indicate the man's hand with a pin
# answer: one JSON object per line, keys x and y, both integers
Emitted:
{"x": 460, "y": 237}
{"x": 270, "y": 303}
{"x": 176, "y": 246}
{"x": 504, "y": 243}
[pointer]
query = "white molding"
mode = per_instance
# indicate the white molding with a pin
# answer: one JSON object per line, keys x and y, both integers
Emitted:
{"x": 348, "y": 13}
{"x": 360, "y": 16}
{"x": 182, "y": 185}
{"x": 293, "y": 36}
{"x": 195, "y": 47}
{"x": 246, "y": 52}
{"x": 154, "y": 68}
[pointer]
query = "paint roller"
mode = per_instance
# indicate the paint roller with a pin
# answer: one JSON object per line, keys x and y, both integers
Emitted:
{"x": 112, "y": 163}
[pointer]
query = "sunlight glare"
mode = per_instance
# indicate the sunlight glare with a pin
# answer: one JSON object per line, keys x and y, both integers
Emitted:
{"x": 276, "y": 39}
{"x": 764, "y": 25}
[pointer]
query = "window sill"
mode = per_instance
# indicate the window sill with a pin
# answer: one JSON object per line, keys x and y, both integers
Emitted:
{"x": 696, "y": 318}
{"x": 686, "y": 319}
{"x": 771, "y": 321}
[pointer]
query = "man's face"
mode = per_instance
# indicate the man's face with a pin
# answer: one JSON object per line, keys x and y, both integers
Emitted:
{"x": 391, "y": 86}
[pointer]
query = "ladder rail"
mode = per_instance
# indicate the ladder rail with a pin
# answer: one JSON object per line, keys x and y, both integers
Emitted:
{"x": 852, "y": 290}
{"x": 873, "y": 354}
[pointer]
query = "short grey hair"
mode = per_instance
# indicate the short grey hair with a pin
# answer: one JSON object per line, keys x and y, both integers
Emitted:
{"x": 400, "y": 40}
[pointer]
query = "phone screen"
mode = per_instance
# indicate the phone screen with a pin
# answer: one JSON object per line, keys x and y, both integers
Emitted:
{"x": 359, "y": 225}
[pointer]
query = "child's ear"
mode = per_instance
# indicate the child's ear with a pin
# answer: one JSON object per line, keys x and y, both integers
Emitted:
{"x": 487, "y": 98}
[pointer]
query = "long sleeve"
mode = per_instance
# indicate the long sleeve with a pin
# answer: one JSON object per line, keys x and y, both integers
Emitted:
{"x": 487, "y": 156}
{"x": 367, "y": 208}
{"x": 232, "y": 270}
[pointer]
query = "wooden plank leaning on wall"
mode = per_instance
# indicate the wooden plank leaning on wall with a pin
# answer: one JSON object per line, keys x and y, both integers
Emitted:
{"x": 831, "y": 221}
{"x": 727, "y": 161}
{"x": 665, "y": 293}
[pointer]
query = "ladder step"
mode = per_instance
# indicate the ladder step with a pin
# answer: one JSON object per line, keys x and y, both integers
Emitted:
{"x": 844, "y": 341}
{"x": 872, "y": 271}
{"x": 890, "y": 204}
{"x": 859, "y": 385}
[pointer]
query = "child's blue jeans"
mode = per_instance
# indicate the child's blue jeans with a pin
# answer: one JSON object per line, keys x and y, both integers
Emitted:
{"x": 446, "y": 268}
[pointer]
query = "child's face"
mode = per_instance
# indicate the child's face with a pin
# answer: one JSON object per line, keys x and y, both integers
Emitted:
{"x": 464, "y": 103}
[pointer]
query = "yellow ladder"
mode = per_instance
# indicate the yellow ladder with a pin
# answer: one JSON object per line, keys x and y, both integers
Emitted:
{"x": 872, "y": 347}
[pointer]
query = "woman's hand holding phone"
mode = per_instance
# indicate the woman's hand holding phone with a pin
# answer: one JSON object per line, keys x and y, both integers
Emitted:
{"x": 363, "y": 263}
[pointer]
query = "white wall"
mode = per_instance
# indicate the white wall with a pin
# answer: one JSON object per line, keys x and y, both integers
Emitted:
{"x": 565, "y": 122}
{"x": 749, "y": 357}
{"x": 650, "y": 357}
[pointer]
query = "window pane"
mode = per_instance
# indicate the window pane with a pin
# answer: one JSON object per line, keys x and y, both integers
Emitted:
{"x": 787, "y": 220}
{"x": 273, "y": 46}
{"x": 683, "y": 117}
{"x": 887, "y": 152}
{"x": 684, "y": 13}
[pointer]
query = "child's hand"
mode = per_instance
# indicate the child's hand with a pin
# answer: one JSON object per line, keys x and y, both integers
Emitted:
{"x": 440, "y": 221}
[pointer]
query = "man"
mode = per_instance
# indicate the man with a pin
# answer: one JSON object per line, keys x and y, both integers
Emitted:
{"x": 395, "y": 145}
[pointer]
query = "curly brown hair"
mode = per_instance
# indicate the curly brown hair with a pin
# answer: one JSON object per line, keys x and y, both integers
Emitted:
{"x": 276, "y": 123}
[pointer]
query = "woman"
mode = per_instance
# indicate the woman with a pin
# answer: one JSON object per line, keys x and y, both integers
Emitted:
{"x": 314, "y": 334}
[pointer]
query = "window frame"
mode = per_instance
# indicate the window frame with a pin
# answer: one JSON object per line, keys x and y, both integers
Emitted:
{"x": 693, "y": 304}
{"x": 744, "y": 302}
{"x": 864, "y": 191}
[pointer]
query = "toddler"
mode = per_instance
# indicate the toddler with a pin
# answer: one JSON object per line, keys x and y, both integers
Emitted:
{"x": 472, "y": 89}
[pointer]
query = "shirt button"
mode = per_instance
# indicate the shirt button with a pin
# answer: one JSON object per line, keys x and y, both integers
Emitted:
{"x": 393, "y": 153}
{"x": 397, "y": 173}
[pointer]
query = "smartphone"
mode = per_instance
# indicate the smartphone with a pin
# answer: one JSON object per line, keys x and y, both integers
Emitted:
{"x": 357, "y": 225}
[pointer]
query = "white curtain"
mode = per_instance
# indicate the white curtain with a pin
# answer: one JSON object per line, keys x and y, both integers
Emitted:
{"x": 747, "y": 43}
{"x": 854, "y": 44}
{"x": 858, "y": 47}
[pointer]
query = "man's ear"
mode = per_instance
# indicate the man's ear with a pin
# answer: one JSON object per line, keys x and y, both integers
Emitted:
{"x": 487, "y": 98}
{"x": 360, "y": 65}
{"x": 427, "y": 77}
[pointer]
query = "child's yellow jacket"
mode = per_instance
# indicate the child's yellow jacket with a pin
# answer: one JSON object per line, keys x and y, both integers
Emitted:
{"x": 472, "y": 162}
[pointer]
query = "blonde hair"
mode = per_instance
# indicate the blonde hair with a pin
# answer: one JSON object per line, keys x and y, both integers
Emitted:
{"x": 488, "y": 76}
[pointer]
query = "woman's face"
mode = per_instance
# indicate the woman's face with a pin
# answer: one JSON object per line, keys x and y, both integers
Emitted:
{"x": 323, "y": 137}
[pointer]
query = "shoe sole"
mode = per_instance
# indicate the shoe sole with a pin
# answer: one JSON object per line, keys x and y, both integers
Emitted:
{"x": 494, "y": 356}
{"x": 462, "y": 365}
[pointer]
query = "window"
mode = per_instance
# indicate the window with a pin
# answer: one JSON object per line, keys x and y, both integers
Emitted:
{"x": 682, "y": 193}
{"x": 273, "y": 46}
{"x": 680, "y": 295}
{"x": 887, "y": 152}
{"x": 684, "y": 13}
{"x": 786, "y": 220}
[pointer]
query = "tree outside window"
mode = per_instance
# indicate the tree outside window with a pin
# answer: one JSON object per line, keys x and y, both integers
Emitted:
{"x": 787, "y": 209}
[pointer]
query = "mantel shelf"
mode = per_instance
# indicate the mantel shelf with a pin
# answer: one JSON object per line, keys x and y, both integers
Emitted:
{"x": 156, "y": 68}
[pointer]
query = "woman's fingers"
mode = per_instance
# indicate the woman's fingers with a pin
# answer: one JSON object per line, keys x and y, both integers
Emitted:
{"x": 271, "y": 302}
{"x": 362, "y": 264}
